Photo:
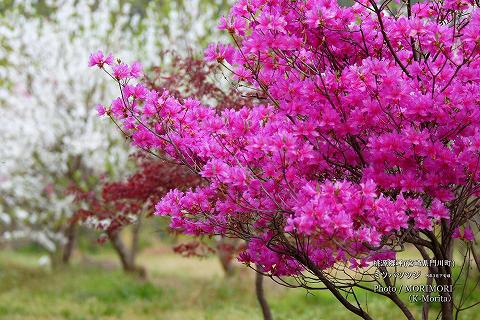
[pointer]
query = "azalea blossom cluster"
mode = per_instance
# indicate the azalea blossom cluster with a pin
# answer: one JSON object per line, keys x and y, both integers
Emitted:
{"x": 365, "y": 136}
{"x": 117, "y": 204}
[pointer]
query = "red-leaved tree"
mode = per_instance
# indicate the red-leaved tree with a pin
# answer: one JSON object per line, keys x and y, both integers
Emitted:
{"x": 127, "y": 202}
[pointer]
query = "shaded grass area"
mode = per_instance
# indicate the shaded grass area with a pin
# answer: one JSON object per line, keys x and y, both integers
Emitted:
{"x": 177, "y": 288}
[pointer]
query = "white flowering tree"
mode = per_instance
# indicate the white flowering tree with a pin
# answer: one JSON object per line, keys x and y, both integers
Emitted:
{"x": 51, "y": 137}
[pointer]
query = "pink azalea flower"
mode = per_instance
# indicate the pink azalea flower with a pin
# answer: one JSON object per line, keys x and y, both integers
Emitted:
{"x": 98, "y": 59}
{"x": 136, "y": 69}
{"x": 219, "y": 52}
{"x": 118, "y": 107}
{"x": 121, "y": 71}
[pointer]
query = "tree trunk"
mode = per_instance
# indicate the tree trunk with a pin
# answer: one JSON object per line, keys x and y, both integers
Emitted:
{"x": 225, "y": 256}
{"x": 426, "y": 305}
{"x": 121, "y": 250}
{"x": 124, "y": 255}
{"x": 446, "y": 252}
{"x": 267, "y": 315}
{"x": 476, "y": 257}
{"x": 135, "y": 240}
{"x": 447, "y": 310}
{"x": 446, "y": 306}
{"x": 71, "y": 235}
{"x": 226, "y": 263}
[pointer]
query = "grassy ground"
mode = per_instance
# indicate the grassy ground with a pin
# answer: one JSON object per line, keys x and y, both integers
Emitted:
{"x": 177, "y": 288}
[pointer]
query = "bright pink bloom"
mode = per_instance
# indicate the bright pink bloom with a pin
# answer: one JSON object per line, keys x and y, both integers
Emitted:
{"x": 121, "y": 71}
{"x": 118, "y": 107}
{"x": 467, "y": 235}
{"x": 219, "y": 52}
{"x": 98, "y": 59}
{"x": 136, "y": 69}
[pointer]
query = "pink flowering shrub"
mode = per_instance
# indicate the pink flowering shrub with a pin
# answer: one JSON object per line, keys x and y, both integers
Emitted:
{"x": 366, "y": 138}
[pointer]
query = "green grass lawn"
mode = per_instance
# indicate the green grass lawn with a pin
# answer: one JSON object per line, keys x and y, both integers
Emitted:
{"x": 177, "y": 288}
